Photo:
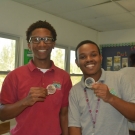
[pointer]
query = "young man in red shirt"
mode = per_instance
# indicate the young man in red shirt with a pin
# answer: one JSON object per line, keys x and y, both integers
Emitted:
{"x": 25, "y": 96}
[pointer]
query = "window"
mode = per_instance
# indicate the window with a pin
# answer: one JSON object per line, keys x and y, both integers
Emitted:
{"x": 75, "y": 72}
{"x": 65, "y": 58}
{"x": 58, "y": 56}
{"x": 8, "y": 55}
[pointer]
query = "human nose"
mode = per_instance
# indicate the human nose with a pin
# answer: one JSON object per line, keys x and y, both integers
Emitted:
{"x": 89, "y": 58}
{"x": 42, "y": 43}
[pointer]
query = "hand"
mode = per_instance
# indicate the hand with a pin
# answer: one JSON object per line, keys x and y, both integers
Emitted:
{"x": 36, "y": 94}
{"x": 102, "y": 91}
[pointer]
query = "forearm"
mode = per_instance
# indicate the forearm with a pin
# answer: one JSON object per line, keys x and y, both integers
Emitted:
{"x": 74, "y": 131}
{"x": 10, "y": 111}
{"x": 64, "y": 125}
{"x": 64, "y": 120}
{"x": 125, "y": 108}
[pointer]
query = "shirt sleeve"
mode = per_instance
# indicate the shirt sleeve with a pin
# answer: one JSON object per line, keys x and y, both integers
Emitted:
{"x": 66, "y": 88}
{"x": 131, "y": 125}
{"x": 73, "y": 110}
{"x": 8, "y": 95}
{"x": 127, "y": 89}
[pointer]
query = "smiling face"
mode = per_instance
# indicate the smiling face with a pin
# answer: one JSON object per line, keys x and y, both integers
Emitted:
{"x": 41, "y": 51}
{"x": 89, "y": 60}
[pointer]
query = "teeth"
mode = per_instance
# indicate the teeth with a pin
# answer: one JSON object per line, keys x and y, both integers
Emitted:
{"x": 90, "y": 66}
{"x": 41, "y": 50}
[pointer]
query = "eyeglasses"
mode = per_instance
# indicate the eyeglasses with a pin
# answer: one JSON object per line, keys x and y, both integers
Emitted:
{"x": 36, "y": 40}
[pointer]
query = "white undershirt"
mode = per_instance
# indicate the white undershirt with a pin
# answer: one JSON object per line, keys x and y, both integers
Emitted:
{"x": 42, "y": 70}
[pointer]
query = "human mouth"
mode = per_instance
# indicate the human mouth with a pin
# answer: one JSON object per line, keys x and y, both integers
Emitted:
{"x": 90, "y": 66}
{"x": 41, "y": 50}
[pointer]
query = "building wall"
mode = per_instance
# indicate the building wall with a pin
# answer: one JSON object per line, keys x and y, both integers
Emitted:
{"x": 15, "y": 18}
{"x": 118, "y": 36}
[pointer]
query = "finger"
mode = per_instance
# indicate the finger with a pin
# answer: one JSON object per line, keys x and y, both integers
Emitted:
{"x": 41, "y": 99}
{"x": 44, "y": 91}
{"x": 38, "y": 99}
{"x": 95, "y": 86}
{"x": 39, "y": 90}
{"x": 35, "y": 88}
{"x": 43, "y": 95}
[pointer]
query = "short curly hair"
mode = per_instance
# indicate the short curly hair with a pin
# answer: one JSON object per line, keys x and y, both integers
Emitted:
{"x": 40, "y": 24}
{"x": 86, "y": 42}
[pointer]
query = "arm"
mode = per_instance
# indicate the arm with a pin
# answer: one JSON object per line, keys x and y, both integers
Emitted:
{"x": 67, "y": 84}
{"x": 124, "y": 107}
{"x": 9, "y": 111}
{"x": 75, "y": 131}
{"x": 64, "y": 120}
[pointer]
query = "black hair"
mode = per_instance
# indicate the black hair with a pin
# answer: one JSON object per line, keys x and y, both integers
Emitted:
{"x": 86, "y": 42}
{"x": 132, "y": 59}
{"x": 40, "y": 24}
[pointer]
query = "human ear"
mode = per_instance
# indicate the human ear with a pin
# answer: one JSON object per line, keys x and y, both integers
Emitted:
{"x": 29, "y": 46}
{"x": 101, "y": 58}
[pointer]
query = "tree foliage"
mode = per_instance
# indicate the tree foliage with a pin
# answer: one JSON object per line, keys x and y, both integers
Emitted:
{"x": 7, "y": 57}
{"x": 58, "y": 57}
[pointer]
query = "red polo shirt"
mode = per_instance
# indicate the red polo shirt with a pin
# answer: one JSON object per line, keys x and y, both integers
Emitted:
{"x": 43, "y": 117}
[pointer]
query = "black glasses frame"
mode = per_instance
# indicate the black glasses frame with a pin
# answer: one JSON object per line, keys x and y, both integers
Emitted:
{"x": 36, "y": 40}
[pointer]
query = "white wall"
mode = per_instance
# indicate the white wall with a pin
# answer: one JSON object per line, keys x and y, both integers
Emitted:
{"x": 15, "y": 18}
{"x": 119, "y": 36}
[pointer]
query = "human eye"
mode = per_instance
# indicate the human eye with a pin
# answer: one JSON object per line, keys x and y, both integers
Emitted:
{"x": 81, "y": 57}
{"x": 48, "y": 39}
{"x": 35, "y": 40}
{"x": 94, "y": 54}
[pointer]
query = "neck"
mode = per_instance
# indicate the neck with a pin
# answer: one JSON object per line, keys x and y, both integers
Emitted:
{"x": 95, "y": 76}
{"x": 44, "y": 64}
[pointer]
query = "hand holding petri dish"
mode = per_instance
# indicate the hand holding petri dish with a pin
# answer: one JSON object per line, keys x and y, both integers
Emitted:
{"x": 89, "y": 81}
{"x": 51, "y": 89}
